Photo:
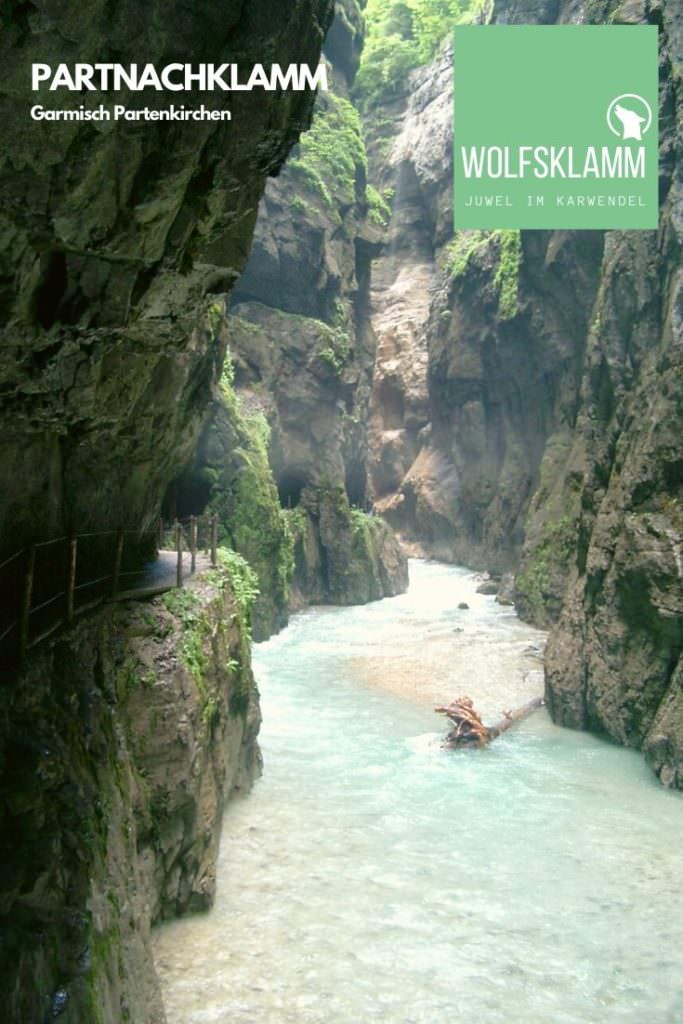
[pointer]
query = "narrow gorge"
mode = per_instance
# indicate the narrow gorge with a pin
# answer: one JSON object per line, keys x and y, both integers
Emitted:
{"x": 270, "y": 323}
{"x": 526, "y": 409}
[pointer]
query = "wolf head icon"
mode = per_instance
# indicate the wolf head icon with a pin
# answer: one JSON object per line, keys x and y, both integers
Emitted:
{"x": 631, "y": 123}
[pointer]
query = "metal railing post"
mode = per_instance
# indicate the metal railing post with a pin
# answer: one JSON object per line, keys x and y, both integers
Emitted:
{"x": 214, "y": 541}
{"x": 71, "y": 583}
{"x": 28, "y": 591}
{"x": 193, "y": 543}
{"x": 118, "y": 558}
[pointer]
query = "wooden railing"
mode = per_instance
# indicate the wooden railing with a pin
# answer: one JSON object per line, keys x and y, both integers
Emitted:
{"x": 46, "y": 585}
{"x": 174, "y": 538}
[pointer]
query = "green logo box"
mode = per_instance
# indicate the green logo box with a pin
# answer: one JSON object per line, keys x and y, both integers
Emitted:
{"x": 556, "y": 126}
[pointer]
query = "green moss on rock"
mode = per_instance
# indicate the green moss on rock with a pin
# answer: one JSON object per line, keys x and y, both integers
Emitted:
{"x": 535, "y": 594}
{"x": 379, "y": 206}
{"x": 232, "y": 466}
{"x": 331, "y": 158}
{"x": 506, "y": 249}
{"x": 507, "y": 274}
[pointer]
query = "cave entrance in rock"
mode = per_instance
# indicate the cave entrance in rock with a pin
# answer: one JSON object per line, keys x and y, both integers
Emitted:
{"x": 356, "y": 485}
{"x": 187, "y": 496}
{"x": 51, "y": 290}
{"x": 290, "y": 484}
{"x": 392, "y": 403}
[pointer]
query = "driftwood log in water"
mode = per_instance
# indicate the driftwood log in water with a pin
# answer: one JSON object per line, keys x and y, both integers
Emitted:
{"x": 468, "y": 730}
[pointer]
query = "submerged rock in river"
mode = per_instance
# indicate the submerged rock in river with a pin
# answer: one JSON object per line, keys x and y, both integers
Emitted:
{"x": 488, "y": 587}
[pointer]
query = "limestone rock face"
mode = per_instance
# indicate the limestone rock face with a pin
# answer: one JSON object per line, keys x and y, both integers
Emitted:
{"x": 343, "y": 556}
{"x": 297, "y": 365}
{"x": 465, "y": 393}
{"x": 409, "y": 143}
{"x": 121, "y": 742}
{"x": 111, "y": 236}
{"x": 301, "y": 337}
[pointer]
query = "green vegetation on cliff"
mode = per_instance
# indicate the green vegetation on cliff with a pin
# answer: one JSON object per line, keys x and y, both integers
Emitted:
{"x": 185, "y": 606}
{"x": 296, "y": 524}
{"x": 243, "y": 583}
{"x": 379, "y": 206}
{"x": 367, "y": 531}
{"x": 402, "y": 35}
{"x": 331, "y": 165}
{"x": 535, "y": 593}
{"x": 231, "y": 477}
{"x": 331, "y": 158}
{"x": 337, "y": 349}
{"x": 507, "y": 275}
{"x": 468, "y": 246}
{"x": 234, "y": 575}
{"x": 458, "y": 253}
{"x": 246, "y": 499}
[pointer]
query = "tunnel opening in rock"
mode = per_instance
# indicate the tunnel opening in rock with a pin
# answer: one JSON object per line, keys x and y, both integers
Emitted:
{"x": 290, "y": 484}
{"x": 50, "y": 292}
{"x": 189, "y": 495}
{"x": 356, "y": 484}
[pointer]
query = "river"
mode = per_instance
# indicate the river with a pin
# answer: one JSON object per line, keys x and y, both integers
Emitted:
{"x": 372, "y": 876}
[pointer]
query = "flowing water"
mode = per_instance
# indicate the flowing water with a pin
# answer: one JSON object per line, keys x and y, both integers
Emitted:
{"x": 372, "y": 876}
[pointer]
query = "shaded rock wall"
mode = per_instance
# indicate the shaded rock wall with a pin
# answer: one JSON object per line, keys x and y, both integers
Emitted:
{"x": 341, "y": 555}
{"x": 121, "y": 741}
{"x": 230, "y": 476}
{"x": 305, "y": 290}
{"x": 120, "y": 744}
{"x": 614, "y": 659}
{"x": 111, "y": 237}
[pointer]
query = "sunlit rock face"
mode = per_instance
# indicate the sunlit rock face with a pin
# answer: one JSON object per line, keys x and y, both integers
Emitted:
{"x": 302, "y": 347}
{"x": 111, "y": 237}
{"x": 466, "y": 391}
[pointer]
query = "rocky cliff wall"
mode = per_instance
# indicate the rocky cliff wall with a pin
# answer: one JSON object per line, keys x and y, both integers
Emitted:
{"x": 302, "y": 349}
{"x": 602, "y": 545}
{"x": 480, "y": 341}
{"x": 120, "y": 742}
{"x": 112, "y": 235}
{"x": 526, "y": 404}
{"x": 614, "y": 659}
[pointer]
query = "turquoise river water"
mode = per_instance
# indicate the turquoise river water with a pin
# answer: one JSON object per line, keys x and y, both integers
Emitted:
{"x": 372, "y": 876}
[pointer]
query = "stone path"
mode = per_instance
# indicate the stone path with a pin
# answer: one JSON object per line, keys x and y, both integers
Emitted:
{"x": 161, "y": 575}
